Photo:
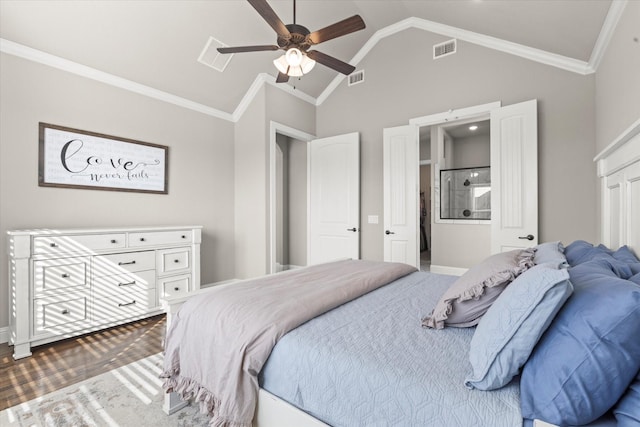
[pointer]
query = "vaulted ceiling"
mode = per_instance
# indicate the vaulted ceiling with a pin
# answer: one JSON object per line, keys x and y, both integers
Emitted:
{"x": 157, "y": 43}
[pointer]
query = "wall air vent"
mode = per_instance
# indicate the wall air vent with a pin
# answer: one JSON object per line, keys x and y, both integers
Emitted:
{"x": 212, "y": 58}
{"x": 356, "y": 77}
{"x": 444, "y": 49}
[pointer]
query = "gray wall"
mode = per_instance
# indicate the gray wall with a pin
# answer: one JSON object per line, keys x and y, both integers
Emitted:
{"x": 472, "y": 151}
{"x": 251, "y": 161}
{"x": 251, "y": 181}
{"x": 618, "y": 80}
{"x": 392, "y": 94}
{"x": 199, "y": 168}
{"x": 298, "y": 190}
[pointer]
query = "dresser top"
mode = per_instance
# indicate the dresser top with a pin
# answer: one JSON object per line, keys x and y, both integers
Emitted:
{"x": 63, "y": 231}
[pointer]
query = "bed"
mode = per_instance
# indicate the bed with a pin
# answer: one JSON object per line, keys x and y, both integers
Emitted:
{"x": 419, "y": 350}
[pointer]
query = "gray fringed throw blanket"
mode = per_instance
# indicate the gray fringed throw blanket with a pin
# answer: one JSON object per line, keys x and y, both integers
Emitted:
{"x": 218, "y": 342}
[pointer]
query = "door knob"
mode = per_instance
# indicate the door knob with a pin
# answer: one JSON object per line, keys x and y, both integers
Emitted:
{"x": 527, "y": 237}
{"x": 389, "y": 232}
{"x": 352, "y": 229}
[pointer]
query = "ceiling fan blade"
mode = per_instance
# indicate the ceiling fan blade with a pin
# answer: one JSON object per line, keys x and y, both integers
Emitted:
{"x": 344, "y": 27}
{"x": 331, "y": 62}
{"x": 263, "y": 8}
{"x": 240, "y": 49}
{"x": 282, "y": 78}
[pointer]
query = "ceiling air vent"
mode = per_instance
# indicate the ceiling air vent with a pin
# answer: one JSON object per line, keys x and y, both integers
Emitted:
{"x": 212, "y": 58}
{"x": 444, "y": 49}
{"x": 356, "y": 77}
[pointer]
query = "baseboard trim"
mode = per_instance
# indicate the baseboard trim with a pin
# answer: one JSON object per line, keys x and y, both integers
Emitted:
{"x": 4, "y": 335}
{"x": 443, "y": 269}
{"x": 222, "y": 282}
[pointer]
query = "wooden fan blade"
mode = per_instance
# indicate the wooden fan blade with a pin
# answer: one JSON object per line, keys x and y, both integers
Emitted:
{"x": 331, "y": 62}
{"x": 263, "y": 8}
{"x": 344, "y": 27}
{"x": 282, "y": 78}
{"x": 247, "y": 48}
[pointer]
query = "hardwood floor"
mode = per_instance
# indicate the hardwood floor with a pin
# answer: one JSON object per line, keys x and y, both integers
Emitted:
{"x": 57, "y": 365}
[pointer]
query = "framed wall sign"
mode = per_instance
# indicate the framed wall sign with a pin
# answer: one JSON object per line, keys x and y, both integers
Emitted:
{"x": 80, "y": 159}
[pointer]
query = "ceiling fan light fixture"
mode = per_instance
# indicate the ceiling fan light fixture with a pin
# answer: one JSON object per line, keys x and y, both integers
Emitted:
{"x": 281, "y": 64}
{"x": 293, "y": 57}
{"x": 307, "y": 64}
{"x": 300, "y": 64}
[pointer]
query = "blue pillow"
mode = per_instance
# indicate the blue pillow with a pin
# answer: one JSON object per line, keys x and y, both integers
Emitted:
{"x": 635, "y": 278}
{"x": 624, "y": 254}
{"x": 590, "y": 353}
{"x": 627, "y": 411}
{"x": 605, "y": 249}
{"x": 619, "y": 268}
{"x": 635, "y": 267}
{"x": 550, "y": 252}
{"x": 514, "y": 323}
{"x": 576, "y": 250}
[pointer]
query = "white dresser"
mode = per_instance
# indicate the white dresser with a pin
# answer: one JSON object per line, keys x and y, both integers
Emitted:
{"x": 64, "y": 283}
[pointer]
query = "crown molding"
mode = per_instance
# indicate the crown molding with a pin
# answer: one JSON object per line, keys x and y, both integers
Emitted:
{"x": 606, "y": 33}
{"x": 559, "y": 61}
{"x": 41, "y": 57}
{"x": 261, "y": 80}
{"x": 533, "y": 54}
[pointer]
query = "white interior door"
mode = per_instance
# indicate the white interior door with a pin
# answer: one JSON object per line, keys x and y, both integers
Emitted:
{"x": 514, "y": 177}
{"x": 334, "y": 214}
{"x": 401, "y": 191}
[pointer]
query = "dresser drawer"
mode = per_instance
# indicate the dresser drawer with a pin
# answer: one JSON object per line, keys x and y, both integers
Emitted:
{"x": 127, "y": 284}
{"x": 60, "y": 274}
{"x": 106, "y": 265}
{"x": 78, "y": 244}
{"x": 118, "y": 307}
{"x": 175, "y": 285}
{"x": 174, "y": 260}
{"x": 158, "y": 238}
{"x": 61, "y": 315}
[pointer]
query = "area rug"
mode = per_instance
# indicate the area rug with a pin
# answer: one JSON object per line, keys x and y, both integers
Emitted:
{"x": 128, "y": 396}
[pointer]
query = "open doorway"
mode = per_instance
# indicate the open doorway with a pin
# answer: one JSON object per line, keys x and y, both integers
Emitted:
{"x": 291, "y": 203}
{"x": 513, "y": 219}
{"x": 288, "y": 198}
{"x": 425, "y": 214}
{"x": 459, "y": 145}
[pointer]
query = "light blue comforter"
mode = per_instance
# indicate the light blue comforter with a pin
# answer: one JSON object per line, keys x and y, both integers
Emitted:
{"x": 370, "y": 363}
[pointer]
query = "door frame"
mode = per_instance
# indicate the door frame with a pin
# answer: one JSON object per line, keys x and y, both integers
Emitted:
{"x": 439, "y": 119}
{"x": 279, "y": 128}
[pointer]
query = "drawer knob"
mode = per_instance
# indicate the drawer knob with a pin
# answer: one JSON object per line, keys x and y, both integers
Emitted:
{"x": 65, "y": 311}
{"x": 133, "y": 282}
{"x": 53, "y": 245}
{"x": 183, "y": 236}
{"x": 65, "y": 275}
{"x": 176, "y": 261}
{"x": 114, "y": 241}
{"x": 124, "y": 304}
{"x": 127, "y": 263}
{"x": 176, "y": 288}
{"x": 142, "y": 239}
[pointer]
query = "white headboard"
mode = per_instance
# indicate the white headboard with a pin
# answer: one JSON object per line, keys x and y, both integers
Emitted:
{"x": 619, "y": 172}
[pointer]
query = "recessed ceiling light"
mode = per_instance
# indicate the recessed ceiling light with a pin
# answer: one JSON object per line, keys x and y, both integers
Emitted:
{"x": 473, "y": 127}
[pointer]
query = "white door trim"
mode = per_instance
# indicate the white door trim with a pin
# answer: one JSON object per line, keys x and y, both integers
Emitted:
{"x": 275, "y": 128}
{"x": 455, "y": 115}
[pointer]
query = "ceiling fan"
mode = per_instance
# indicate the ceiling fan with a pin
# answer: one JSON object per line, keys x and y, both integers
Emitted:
{"x": 296, "y": 41}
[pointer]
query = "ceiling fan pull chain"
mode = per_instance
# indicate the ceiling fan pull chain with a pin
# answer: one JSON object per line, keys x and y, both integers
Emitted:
{"x": 294, "y": 12}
